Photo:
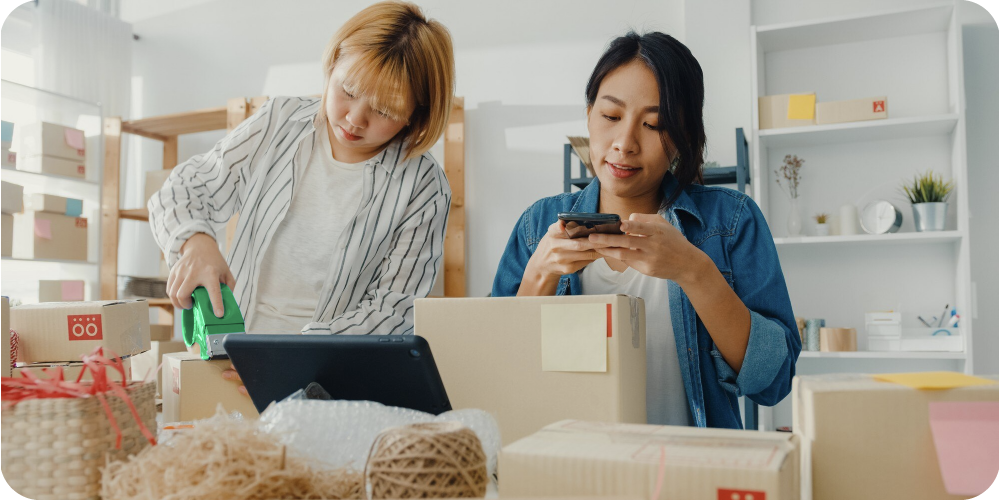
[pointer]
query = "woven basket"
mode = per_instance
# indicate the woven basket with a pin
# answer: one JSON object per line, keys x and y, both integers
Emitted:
{"x": 55, "y": 448}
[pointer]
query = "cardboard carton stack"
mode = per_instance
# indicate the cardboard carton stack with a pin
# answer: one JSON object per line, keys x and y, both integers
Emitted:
{"x": 798, "y": 110}
{"x": 11, "y": 198}
{"x": 48, "y": 235}
{"x": 52, "y": 149}
{"x": 531, "y": 361}
{"x": 53, "y": 204}
{"x": 143, "y": 365}
{"x": 61, "y": 290}
{"x": 193, "y": 388}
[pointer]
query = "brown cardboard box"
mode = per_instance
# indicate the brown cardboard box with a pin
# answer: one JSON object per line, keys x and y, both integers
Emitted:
{"x": 45, "y": 164}
{"x": 488, "y": 351}
{"x": 63, "y": 331}
{"x": 72, "y": 370}
{"x": 155, "y": 180}
{"x": 8, "y": 158}
{"x": 55, "y": 204}
{"x": 854, "y": 110}
{"x": 6, "y": 235}
{"x": 161, "y": 333}
{"x": 863, "y": 438}
{"x": 61, "y": 290}
{"x": 579, "y": 458}
{"x": 5, "y": 362}
{"x": 772, "y": 112}
{"x": 144, "y": 364}
{"x": 49, "y": 139}
{"x": 12, "y": 196}
{"x": 44, "y": 235}
{"x": 193, "y": 388}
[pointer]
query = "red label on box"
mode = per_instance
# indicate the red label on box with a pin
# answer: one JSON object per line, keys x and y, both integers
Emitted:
{"x": 81, "y": 169}
{"x": 85, "y": 327}
{"x": 81, "y": 152}
{"x": 741, "y": 495}
{"x": 177, "y": 380}
{"x": 12, "y": 157}
{"x": 878, "y": 106}
{"x": 81, "y": 222}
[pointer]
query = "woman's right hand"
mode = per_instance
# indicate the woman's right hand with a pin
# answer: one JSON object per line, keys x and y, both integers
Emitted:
{"x": 557, "y": 254}
{"x": 201, "y": 264}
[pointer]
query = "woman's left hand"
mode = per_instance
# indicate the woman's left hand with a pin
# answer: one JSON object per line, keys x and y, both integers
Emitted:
{"x": 652, "y": 246}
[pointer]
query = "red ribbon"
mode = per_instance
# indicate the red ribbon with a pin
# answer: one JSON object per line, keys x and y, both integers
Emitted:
{"x": 29, "y": 386}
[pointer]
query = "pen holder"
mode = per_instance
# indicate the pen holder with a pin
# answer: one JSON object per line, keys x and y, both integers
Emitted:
{"x": 812, "y": 334}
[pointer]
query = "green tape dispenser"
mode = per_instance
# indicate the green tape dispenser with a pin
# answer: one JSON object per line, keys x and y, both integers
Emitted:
{"x": 200, "y": 325}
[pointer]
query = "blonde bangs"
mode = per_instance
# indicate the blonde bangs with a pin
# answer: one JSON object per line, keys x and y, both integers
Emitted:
{"x": 381, "y": 80}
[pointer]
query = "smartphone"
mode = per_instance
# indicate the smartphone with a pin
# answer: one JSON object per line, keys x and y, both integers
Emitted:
{"x": 582, "y": 224}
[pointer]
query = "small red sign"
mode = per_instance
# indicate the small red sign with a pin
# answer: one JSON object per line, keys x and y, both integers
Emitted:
{"x": 741, "y": 495}
{"x": 85, "y": 327}
{"x": 177, "y": 380}
{"x": 81, "y": 152}
{"x": 81, "y": 169}
{"x": 81, "y": 222}
{"x": 878, "y": 106}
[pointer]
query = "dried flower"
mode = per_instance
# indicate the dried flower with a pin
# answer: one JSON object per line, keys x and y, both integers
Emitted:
{"x": 790, "y": 171}
{"x": 821, "y": 218}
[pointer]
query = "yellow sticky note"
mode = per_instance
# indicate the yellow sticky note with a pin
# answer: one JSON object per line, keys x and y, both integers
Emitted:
{"x": 574, "y": 337}
{"x": 801, "y": 106}
{"x": 934, "y": 380}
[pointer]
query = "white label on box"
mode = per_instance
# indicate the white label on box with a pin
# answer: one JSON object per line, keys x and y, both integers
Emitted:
{"x": 575, "y": 337}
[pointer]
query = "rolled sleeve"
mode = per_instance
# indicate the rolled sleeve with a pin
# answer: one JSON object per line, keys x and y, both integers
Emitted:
{"x": 766, "y": 354}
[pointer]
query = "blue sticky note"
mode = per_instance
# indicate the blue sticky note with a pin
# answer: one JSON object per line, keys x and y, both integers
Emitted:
{"x": 6, "y": 131}
{"x": 74, "y": 208}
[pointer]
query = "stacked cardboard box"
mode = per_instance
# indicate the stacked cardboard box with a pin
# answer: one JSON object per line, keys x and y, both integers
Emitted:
{"x": 519, "y": 358}
{"x": 61, "y": 290}
{"x": 193, "y": 388}
{"x": 54, "y": 204}
{"x": 143, "y": 365}
{"x": 58, "y": 332}
{"x": 45, "y": 235}
{"x": 51, "y": 149}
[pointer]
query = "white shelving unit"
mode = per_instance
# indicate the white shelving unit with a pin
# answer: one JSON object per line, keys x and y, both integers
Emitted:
{"x": 914, "y": 57}
{"x": 20, "y": 104}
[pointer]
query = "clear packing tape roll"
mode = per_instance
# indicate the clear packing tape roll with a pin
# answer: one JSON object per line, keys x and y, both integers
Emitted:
{"x": 337, "y": 434}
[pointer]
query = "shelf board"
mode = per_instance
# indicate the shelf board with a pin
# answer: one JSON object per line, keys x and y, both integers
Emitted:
{"x": 872, "y": 239}
{"x": 872, "y": 130}
{"x": 160, "y": 303}
{"x": 178, "y": 123}
{"x": 51, "y": 261}
{"x": 140, "y": 214}
{"x": 857, "y": 28}
{"x": 881, "y": 355}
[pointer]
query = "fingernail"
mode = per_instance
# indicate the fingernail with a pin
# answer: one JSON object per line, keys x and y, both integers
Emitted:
{"x": 227, "y": 375}
{"x": 243, "y": 390}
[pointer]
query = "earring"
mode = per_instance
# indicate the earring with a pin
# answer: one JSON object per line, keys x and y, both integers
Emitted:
{"x": 674, "y": 163}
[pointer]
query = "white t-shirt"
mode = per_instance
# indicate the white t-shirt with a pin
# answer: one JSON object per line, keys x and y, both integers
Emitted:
{"x": 326, "y": 197}
{"x": 666, "y": 401}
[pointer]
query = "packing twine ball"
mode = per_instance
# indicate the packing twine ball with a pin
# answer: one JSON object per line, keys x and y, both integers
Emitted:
{"x": 427, "y": 460}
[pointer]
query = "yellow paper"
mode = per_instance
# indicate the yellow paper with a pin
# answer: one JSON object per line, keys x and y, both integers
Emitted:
{"x": 575, "y": 337}
{"x": 801, "y": 106}
{"x": 934, "y": 380}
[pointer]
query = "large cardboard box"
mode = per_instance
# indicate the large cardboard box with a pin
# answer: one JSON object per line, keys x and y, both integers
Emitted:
{"x": 854, "y": 110}
{"x": 144, "y": 364}
{"x": 72, "y": 370}
{"x": 155, "y": 180}
{"x": 45, "y": 164}
{"x": 49, "y": 139}
{"x": 55, "y": 204}
{"x": 161, "y": 333}
{"x": 862, "y": 438}
{"x": 489, "y": 354}
{"x": 579, "y": 458}
{"x": 44, "y": 235}
{"x": 6, "y": 235}
{"x": 12, "y": 197}
{"x": 63, "y": 331}
{"x": 61, "y": 290}
{"x": 193, "y": 388}
{"x": 772, "y": 112}
{"x": 5, "y": 362}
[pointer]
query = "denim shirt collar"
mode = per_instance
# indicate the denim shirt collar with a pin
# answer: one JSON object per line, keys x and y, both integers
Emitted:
{"x": 591, "y": 195}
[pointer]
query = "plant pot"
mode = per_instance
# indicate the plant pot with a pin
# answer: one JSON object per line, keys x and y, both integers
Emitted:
{"x": 930, "y": 216}
{"x": 823, "y": 229}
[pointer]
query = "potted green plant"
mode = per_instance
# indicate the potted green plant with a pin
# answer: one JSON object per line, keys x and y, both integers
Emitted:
{"x": 822, "y": 228}
{"x": 928, "y": 193}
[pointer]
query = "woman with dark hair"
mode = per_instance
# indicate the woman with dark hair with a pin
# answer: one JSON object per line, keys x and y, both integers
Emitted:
{"x": 719, "y": 322}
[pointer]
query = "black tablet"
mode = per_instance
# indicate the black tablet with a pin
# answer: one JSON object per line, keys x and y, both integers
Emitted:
{"x": 395, "y": 370}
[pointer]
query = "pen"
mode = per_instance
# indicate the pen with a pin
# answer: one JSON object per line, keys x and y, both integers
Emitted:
{"x": 924, "y": 321}
{"x": 941, "y": 321}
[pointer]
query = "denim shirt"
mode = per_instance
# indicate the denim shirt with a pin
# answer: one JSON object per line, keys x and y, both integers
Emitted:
{"x": 729, "y": 227}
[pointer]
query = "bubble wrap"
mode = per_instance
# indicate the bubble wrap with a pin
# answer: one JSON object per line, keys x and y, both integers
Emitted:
{"x": 337, "y": 434}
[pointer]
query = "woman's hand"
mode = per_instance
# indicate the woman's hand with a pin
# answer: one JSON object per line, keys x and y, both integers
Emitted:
{"x": 654, "y": 247}
{"x": 201, "y": 264}
{"x": 231, "y": 374}
{"x": 557, "y": 254}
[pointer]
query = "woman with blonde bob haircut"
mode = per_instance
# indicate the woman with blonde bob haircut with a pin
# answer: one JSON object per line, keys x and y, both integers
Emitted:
{"x": 342, "y": 209}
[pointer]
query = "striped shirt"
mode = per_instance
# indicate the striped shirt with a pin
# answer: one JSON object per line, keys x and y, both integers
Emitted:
{"x": 390, "y": 252}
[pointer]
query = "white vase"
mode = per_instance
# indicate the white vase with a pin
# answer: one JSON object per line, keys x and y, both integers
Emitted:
{"x": 822, "y": 229}
{"x": 794, "y": 219}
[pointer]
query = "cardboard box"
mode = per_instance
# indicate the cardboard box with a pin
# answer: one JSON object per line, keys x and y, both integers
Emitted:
{"x": 863, "y": 438}
{"x": 854, "y": 110}
{"x": 5, "y": 362}
{"x": 61, "y": 290}
{"x": 579, "y": 458}
{"x": 6, "y": 235}
{"x": 155, "y": 180}
{"x": 144, "y": 364}
{"x": 44, "y": 235}
{"x": 161, "y": 333}
{"x": 44, "y": 164}
{"x": 55, "y": 204}
{"x": 72, "y": 370}
{"x": 11, "y": 197}
{"x": 772, "y": 112}
{"x": 193, "y": 388}
{"x": 63, "y": 331}
{"x": 49, "y": 139}
{"x": 8, "y": 158}
{"x": 488, "y": 352}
